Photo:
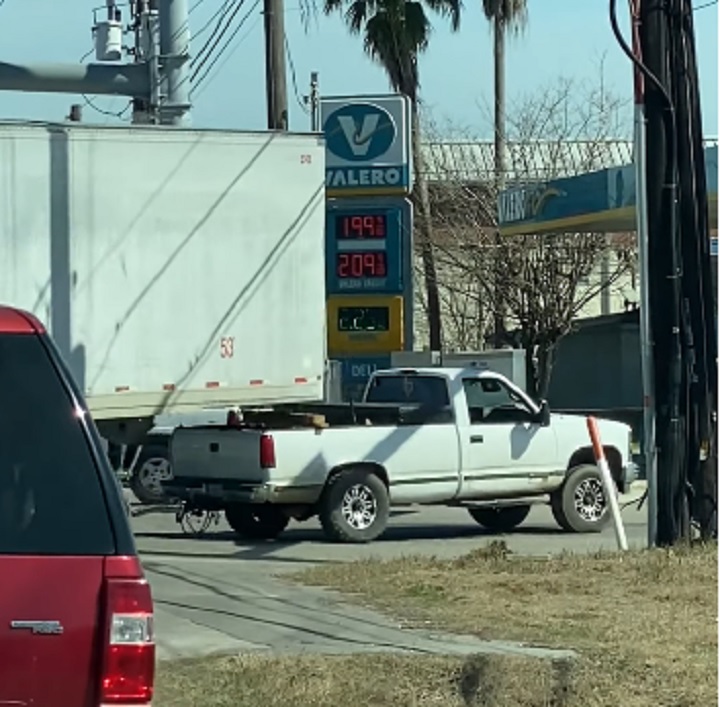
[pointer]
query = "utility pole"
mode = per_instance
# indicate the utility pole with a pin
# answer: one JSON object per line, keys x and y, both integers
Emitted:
{"x": 275, "y": 70}
{"x": 174, "y": 55}
{"x": 314, "y": 101}
{"x": 682, "y": 312}
{"x": 646, "y": 346}
{"x": 160, "y": 80}
{"x": 499, "y": 52}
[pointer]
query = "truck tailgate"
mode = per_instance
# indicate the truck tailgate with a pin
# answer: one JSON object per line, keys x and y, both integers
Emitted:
{"x": 50, "y": 645}
{"x": 217, "y": 453}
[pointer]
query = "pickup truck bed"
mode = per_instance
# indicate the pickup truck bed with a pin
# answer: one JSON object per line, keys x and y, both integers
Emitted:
{"x": 426, "y": 436}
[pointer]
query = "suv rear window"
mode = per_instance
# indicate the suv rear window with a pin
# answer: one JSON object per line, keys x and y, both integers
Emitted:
{"x": 51, "y": 500}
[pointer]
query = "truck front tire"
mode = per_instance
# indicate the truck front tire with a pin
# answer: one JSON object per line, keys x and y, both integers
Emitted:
{"x": 500, "y": 520}
{"x": 579, "y": 505}
{"x": 355, "y": 507}
{"x": 255, "y": 522}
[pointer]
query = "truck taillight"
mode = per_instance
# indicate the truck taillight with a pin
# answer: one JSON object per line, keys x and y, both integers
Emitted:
{"x": 267, "y": 452}
{"x": 129, "y": 663}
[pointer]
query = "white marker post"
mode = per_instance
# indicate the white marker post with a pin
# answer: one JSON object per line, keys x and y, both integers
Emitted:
{"x": 608, "y": 483}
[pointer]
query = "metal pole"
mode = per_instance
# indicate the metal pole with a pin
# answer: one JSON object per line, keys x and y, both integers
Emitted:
{"x": 499, "y": 303}
{"x": 98, "y": 79}
{"x": 314, "y": 102}
{"x": 646, "y": 347}
{"x": 174, "y": 54}
{"x": 275, "y": 74}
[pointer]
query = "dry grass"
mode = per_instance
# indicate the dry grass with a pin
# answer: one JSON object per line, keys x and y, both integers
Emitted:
{"x": 357, "y": 680}
{"x": 644, "y": 625}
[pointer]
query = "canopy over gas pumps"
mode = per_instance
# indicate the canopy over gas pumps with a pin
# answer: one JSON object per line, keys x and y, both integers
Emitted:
{"x": 601, "y": 201}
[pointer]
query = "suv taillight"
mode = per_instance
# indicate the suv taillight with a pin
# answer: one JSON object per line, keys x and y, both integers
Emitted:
{"x": 267, "y": 452}
{"x": 128, "y": 671}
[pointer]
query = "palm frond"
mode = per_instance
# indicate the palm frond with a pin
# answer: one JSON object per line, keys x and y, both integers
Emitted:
{"x": 356, "y": 16}
{"x": 513, "y": 14}
{"x": 447, "y": 8}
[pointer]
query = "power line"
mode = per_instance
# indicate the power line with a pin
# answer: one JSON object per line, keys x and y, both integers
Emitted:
{"x": 202, "y": 86}
{"x": 223, "y": 49}
{"x": 705, "y": 5}
{"x": 220, "y": 12}
{"x": 217, "y": 34}
{"x": 109, "y": 113}
{"x": 293, "y": 77}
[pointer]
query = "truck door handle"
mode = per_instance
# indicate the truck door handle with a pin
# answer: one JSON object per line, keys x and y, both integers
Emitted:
{"x": 476, "y": 439}
{"x": 214, "y": 447}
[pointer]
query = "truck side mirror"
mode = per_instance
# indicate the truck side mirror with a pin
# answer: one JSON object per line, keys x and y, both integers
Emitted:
{"x": 544, "y": 414}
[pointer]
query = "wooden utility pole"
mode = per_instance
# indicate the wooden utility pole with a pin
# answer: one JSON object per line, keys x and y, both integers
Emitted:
{"x": 275, "y": 73}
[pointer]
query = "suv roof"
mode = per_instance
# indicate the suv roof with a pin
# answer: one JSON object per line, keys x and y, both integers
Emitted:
{"x": 15, "y": 321}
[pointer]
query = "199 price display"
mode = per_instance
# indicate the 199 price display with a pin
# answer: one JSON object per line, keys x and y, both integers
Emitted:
{"x": 361, "y": 264}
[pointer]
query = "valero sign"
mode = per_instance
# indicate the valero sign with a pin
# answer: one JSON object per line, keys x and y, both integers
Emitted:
{"x": 368, "y": 145}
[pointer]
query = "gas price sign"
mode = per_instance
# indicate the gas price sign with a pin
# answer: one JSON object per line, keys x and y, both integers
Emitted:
{"x": 367, "y": 324}
{"x": 365, "y": 246}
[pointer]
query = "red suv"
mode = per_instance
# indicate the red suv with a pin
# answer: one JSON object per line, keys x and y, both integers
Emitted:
{"x": 76, "y": 613}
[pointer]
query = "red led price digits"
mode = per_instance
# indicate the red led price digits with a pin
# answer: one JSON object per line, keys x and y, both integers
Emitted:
{"x": 361, "y": 265}
{"x": 361, "y": 226}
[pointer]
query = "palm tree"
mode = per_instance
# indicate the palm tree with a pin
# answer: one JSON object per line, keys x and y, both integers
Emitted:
{"x": 505, "y": 15}
{"x": 395, "y": 33}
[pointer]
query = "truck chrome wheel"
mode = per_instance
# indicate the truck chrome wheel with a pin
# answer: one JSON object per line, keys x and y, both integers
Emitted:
{"x": 590, "y": 501}
{"x": 580, "y": 504}
{"x": 359, "y": 507}
{"x": 355, "y": 506}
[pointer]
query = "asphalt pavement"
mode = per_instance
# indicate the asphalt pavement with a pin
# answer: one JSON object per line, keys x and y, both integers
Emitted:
{"x": 216, "y": 594}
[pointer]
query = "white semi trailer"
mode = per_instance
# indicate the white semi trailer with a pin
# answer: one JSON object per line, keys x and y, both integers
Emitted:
{"x": 178, "y": 270}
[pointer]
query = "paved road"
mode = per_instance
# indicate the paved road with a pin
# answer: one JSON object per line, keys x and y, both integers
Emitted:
{"x": 219, "y": 595}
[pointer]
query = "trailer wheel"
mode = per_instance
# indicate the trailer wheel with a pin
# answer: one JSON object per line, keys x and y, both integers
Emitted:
{"x": 500, "y": 520}
{"x": 579, "y": 505}
{"x": 355, "y": 507}
{"x": 256, "y": 522}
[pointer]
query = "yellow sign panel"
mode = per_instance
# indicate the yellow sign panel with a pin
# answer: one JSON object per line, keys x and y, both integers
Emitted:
{"x": 365, "y": 324}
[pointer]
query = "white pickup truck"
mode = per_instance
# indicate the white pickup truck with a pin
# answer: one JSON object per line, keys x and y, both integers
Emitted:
{"x": 440, "y": 436}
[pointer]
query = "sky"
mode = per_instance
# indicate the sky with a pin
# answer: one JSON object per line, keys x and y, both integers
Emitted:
{"x": 564, "y": 39}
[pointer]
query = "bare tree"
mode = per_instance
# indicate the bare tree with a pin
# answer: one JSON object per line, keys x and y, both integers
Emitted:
{"x": 547, "y": 280}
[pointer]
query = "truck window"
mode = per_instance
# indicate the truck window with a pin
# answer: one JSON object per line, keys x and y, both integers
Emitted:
{"x": 428, "y": 396}
{"x": 51, "y": 500}
{"x": 428, "y": 391}
{"x": 491, "y": 401}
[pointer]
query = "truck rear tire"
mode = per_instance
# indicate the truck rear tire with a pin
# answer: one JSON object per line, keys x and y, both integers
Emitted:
{"x": 500, "y": 520}
{"x": 579, "y": 505}
{"x": 151, "y": 468}
{"x": 256, "y": 522}
{"x": 355, "y": 507}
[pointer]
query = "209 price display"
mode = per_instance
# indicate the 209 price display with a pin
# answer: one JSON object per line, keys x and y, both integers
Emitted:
{"x": 362, "y": 264}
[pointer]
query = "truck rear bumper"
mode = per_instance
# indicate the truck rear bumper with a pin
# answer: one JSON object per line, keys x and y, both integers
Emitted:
{"x": 218, "y": 493}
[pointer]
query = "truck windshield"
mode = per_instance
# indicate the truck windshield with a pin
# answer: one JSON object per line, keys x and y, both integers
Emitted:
{"x": 428, "y": 391}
